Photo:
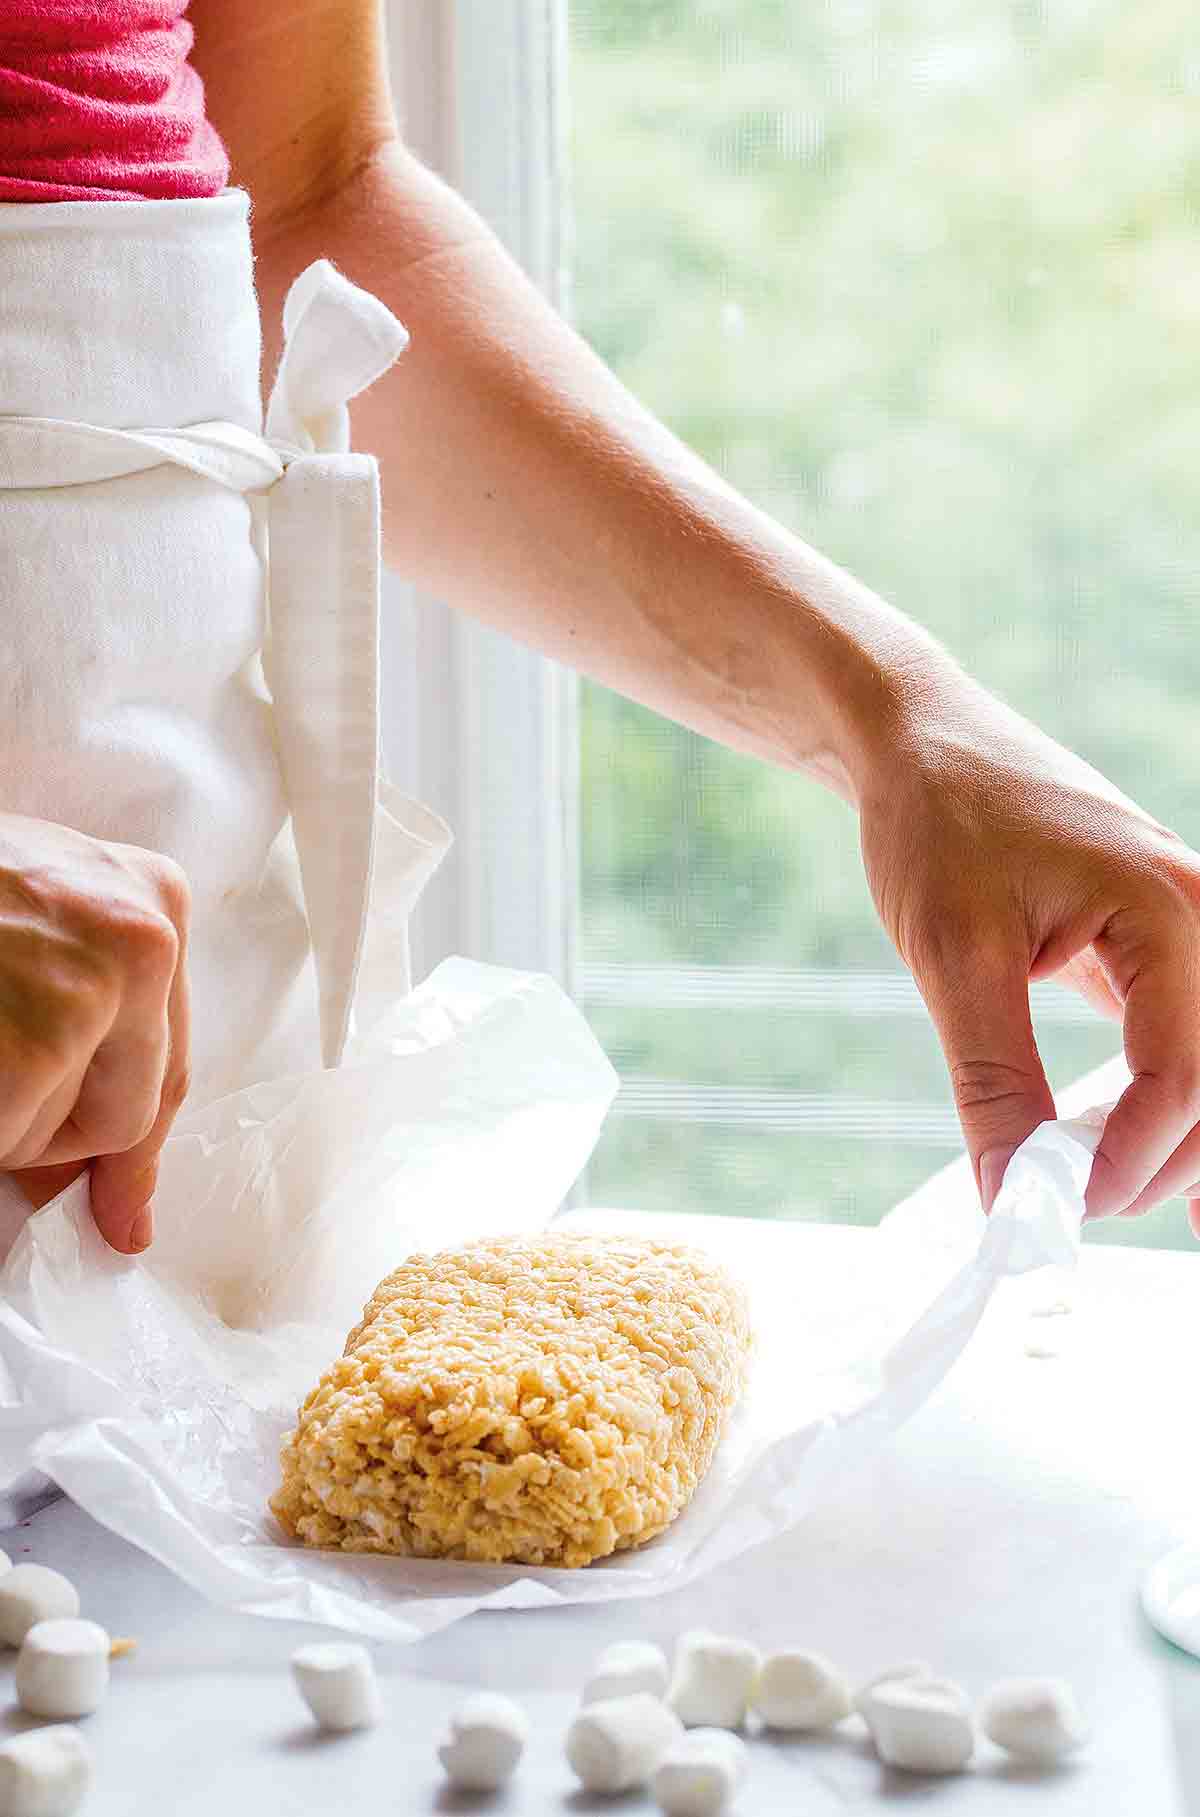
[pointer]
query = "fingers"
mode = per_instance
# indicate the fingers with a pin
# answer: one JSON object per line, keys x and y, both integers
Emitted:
{"x": 119, "y": 1095}
{"x": 46, "y": 1043}
{"x": 108, "y": 1097}
{"x": 1160, "y": 1108}
{"x": 1000, "y": 1088}
{"x": 44, "y": 1047}
{"x": 1177, "y": 1177}
{"x": 50, "y": 1118}
{"x": 94, "y": 1021}
{"x": 119, "y": 1128}
{"x": 123, "y": 1184}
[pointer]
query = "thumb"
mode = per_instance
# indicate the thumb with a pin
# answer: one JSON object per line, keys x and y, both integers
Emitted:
{"x": 121, "y": 1189}
{"x": 1000, "y": 1090}
{"x": 1160, "y": 1108}
{"x": 122, "y": 1185}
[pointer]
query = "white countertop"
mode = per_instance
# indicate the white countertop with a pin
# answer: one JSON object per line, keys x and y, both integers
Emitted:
{"x": 1004, "y": 1531}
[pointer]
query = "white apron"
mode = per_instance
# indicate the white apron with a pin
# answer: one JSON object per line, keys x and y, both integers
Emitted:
{"x": 189, "y": 654}
{"x": 166, "y": 684}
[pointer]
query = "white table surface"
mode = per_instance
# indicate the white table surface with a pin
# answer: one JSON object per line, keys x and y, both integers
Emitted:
{"x": 1004, "y": 1531}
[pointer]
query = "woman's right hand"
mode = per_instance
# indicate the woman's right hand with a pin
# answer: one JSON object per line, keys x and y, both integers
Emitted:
{"x": 94, "y": 1008}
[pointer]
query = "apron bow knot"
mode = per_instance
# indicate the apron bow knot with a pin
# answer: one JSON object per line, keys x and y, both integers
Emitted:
{"x": 321, "y": 650}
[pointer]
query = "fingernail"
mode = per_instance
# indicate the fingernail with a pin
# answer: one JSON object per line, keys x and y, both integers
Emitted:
{"x": 142, "y": 1230}
{"x": 991, "y": 1173}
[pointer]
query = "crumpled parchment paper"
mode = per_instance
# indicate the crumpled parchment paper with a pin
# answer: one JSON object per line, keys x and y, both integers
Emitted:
{"x": 155, "y": 1391}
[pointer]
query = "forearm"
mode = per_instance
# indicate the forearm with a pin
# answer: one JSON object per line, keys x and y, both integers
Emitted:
{"x": 524, "y": 484}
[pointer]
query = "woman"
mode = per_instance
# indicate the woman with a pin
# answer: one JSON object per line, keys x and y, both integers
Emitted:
{"x": 524, "y": 484}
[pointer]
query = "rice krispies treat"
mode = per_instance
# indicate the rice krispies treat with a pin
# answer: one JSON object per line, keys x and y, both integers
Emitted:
{"x": 544, "y": 1401}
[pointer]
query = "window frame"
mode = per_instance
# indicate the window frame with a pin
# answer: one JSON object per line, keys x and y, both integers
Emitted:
{"x": 481, "y": 728}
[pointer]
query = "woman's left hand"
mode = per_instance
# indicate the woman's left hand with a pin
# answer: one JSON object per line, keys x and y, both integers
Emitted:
{"x": 996, "y": 856}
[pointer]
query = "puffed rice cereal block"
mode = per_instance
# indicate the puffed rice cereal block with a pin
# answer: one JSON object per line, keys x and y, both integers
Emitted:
{"x": 544, "y": 1401}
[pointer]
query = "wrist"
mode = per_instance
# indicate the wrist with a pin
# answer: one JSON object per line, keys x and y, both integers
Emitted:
{"x": 898, "y": 702}
{"x": 878, "y": 686}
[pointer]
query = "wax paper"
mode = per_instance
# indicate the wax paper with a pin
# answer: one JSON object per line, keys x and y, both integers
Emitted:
{"x": 155, "y": 1391}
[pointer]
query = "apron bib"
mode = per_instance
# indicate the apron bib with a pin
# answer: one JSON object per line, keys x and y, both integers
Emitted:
{"x": 190, "y": 626}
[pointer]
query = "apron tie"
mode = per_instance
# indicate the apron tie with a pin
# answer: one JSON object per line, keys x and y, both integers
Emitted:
{"x": 321, "y": 656}
{"x": 321, "y": 650}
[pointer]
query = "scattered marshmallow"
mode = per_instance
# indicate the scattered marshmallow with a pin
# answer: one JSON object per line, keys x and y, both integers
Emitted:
{"x": 908, "y": 1668}
{"x": 700, "y": 1774}
{"x": 626, "y": 1668}
{"x": 44, "y": 1773}
{"x": 1037, "y": 1719}
{"x": 62, "y": 1668}
{"x": 713, "y": 1679}
{"x": 921, "y": 1724}
{"x": 337, "y": 1681}
{"x": 615, "y": 1745}
{"x": 797, "y": 1690}
{"x": 6, "y": 1563}
{"x": 487, "y": 1738}
{"x": 33, "y": 1593}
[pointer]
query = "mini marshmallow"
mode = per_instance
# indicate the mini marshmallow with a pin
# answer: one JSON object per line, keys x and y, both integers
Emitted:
{"x": 62, "y": 1668}
{"x": 486, "y": 1740}
{"x": 908, "y": 1668}
{"x": 625, "y": 1668}
{"x": 714, "y": 1676}
{"x": 921, "y": 1724}
{"x": 797, "y": 1690}
{"x": 6, "y": 1563}
{"x": 699, "y": 1776}
{"x": 44, "y": 1773}
{"x": 1037, "y": 1719}
{"x": 615, "y": 1745}
{"x": 33, "y": 1593}
{"x": 337, "y": 1681}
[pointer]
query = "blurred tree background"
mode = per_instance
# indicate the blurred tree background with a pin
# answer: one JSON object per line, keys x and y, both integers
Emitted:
{"x": 923, "y": 280}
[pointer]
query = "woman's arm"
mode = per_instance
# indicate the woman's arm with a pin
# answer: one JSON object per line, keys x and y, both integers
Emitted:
{"x": 523, "y": 481}
{"x": 526, "y": 485}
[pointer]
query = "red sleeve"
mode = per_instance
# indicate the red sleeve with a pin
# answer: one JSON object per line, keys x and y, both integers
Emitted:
{"x": 98, "y": 102}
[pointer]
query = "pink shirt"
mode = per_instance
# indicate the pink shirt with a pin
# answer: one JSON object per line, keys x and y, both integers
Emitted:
{"x": 98, "y": 101}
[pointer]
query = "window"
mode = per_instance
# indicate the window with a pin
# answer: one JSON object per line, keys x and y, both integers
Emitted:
{"x": 923, "y": 282}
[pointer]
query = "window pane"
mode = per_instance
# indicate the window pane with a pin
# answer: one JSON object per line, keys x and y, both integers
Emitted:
{"x": 923, "y": 281}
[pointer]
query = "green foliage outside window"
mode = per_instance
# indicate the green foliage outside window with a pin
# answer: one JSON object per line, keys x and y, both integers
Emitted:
{"x": 925, "y": 283}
